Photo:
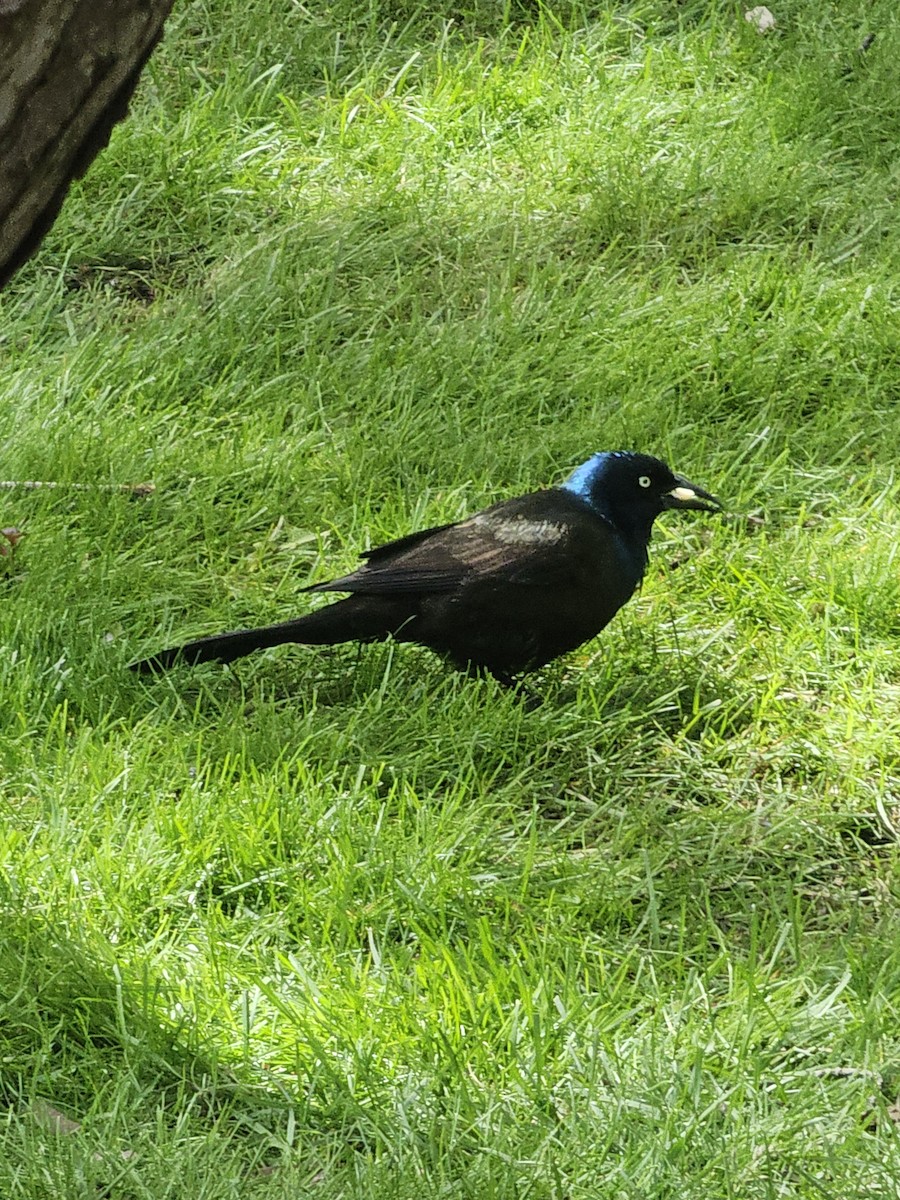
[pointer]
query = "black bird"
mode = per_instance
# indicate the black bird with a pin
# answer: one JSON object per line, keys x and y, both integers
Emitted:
{"x": 505, "y": 590}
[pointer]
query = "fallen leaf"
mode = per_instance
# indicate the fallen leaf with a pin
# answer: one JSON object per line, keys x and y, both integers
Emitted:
{"x": 13, "y": 536}
{"x": 52, "y": 1119}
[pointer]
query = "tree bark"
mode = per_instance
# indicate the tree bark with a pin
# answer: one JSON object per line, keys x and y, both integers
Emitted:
{"x": 67, "y": 72}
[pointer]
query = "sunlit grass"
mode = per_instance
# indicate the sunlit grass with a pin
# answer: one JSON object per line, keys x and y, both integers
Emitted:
{"x": 342, "y": 922}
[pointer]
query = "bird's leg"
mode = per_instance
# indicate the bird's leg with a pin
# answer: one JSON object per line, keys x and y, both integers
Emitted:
{"x": 505, "y": 680}
{"x": 521, "y": 690}
{"x": 529, "y": 697}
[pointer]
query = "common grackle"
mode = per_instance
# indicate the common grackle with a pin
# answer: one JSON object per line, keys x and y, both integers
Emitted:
{"x": 506, "y": 590}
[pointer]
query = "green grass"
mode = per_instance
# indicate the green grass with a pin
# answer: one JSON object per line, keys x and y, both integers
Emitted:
{"x": 345, "y": 924}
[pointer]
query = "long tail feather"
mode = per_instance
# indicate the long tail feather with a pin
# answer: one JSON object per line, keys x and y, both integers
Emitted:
{"x": 358, "y": 618}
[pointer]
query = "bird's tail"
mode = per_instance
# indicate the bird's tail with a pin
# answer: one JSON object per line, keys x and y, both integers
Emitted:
{"x": 358, "y": 618}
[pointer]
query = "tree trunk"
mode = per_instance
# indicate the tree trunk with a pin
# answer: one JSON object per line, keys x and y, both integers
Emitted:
{"x": 67, "y": 72}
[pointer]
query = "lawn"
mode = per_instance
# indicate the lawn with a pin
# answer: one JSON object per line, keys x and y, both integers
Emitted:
{"x": 343, "y": 923}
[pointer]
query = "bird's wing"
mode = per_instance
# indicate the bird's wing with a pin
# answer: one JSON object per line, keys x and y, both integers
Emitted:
{"x": 417, "y": 562}
{"x": 526, "y": 540}
{"x": 391, "y": 550}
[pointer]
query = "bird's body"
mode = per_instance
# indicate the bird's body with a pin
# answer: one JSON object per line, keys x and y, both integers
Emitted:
{"x": 506, "y": 590}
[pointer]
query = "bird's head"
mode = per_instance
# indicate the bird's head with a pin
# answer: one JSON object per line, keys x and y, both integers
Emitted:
{"x": 631, "y": 490}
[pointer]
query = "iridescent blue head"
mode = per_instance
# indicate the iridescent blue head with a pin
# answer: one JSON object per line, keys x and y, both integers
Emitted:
{"x": 630, "y": 490}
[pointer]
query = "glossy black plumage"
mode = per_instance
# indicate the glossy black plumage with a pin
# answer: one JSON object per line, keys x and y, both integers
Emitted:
{"x": 506, "y": 590}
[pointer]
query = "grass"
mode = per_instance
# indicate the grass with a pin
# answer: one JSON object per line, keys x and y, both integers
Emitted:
{"x": 344, "y": 924}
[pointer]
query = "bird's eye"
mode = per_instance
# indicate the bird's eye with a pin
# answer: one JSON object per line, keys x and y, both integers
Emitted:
{"x": 644, "y": 480}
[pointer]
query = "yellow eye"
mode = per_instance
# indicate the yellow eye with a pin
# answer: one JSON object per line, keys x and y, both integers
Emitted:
{"x": 644, "y": 480}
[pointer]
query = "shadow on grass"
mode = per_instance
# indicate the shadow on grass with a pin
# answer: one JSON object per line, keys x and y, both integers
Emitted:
{"x": 71, "y": 1020}
{"x": 91, "y": 1067}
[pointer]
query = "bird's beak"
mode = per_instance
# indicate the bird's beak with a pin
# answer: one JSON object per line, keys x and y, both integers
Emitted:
{"x": 688, "y": 495}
